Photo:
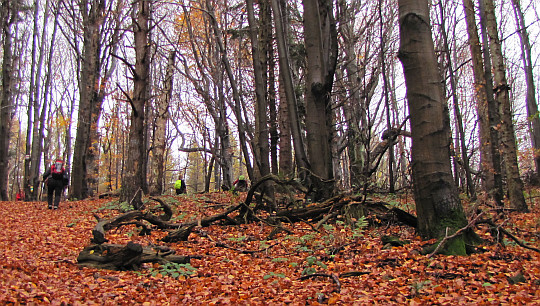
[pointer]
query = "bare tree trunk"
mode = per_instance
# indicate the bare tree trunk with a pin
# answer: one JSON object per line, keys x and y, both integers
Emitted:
{"x": 487, "y": 107}
{"x": 160, "y": 140}
{"x": 92, "y": 11}
{"x": 133, "y": 181}
{"x": 389, "y": 123}
{"x": 532, "y": 105}
{"x": 39, "y": 116}
{"x": 28, "y": 179}
{"x": 218, "y": 110}
{"x": 457, "y": 112}
{"x": 235, "y": 92}
{"x": 508, "y": 139}
{"x": 437, "y": 202}
{"x": 8, "y": 17}
{"x": 267, "y": 38}
{"x": 258, "y": 48}
{"x": 288, "y": 88}
{"x": 355, "y": 110}
{"x": 321, "y": 48}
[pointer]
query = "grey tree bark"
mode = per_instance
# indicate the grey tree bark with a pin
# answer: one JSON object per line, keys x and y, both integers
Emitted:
{"x": 133, "y": 181}
{"x": 532, "y": 105}
{"x": 235, "y": 92}
{"x": 471, "y": 190}
{"x": 487, "y": 112}
{"x": 290, "y": 121}
{"x": 92, "y": 18}
{"x": 216, "y": 106}
{"x": 438, "y": 206}
{"x": 8, "y": 17}
{"x": 258, "y": 53}
{"x": 501, "y": 89}
{"x": 159, "y": 143}
{"x": 320, "y": 38}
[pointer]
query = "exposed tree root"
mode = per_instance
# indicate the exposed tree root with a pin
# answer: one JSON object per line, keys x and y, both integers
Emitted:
{"x": 132, "y": 255}
{"x": 125, "y": 257}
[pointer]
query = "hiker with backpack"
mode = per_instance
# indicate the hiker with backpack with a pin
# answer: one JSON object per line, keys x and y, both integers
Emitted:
{"x": 56, "y": 179}
{"x": 240, "y": 185}
{"x": 180, "y": 186}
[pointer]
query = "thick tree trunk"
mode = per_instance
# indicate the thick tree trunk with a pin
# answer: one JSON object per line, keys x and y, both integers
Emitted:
{"x": 438, "y": 206}
{"x": 7, "y": 109}
{"x": 84, "y": 155}
{"x": 133, "y": 182}
{"x": 260, "y": 69}
{"x": 320, "y": 37}
{"x": 501, "y": 89}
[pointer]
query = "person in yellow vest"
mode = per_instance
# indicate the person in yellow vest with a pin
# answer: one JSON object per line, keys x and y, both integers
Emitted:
{"x": 180, "y": 186}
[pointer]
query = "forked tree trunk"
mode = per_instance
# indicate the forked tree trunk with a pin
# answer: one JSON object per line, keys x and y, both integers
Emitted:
{"x": 488, "y": 115}
{"x": 438, "y": 206}
{"x": 320, "y": 37}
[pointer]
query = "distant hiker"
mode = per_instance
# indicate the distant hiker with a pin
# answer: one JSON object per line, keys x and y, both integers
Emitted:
{"x": 180, "y": 186}
{"x": 20, "y": 195}
{"x": 240, "y": 185}
{"x": 56, "y": 179}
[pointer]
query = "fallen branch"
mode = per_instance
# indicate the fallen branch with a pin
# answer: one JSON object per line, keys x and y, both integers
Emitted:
{"x": 182, "y": 233}
{"x": 507, "y": 233}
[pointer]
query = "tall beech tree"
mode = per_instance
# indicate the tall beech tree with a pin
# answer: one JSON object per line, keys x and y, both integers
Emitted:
{"x": 288, "y": 103}
{"x": 438, "y": 206}
{"x": 101, "y": 33}
{"x": 159, "y": 141}
{"x": 320, "y": 37}
{"x": 508, "y": 146}
{"x": 8, "y": 17}
{"x": 134, "y": 180}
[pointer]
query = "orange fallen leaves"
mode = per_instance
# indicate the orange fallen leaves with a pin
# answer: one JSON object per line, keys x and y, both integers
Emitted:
{"x": 39, "y": 247}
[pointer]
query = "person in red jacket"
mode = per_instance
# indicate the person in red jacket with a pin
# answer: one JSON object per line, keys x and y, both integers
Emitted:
{"x": 56, "y": 179}
{"x": 20, "y": 195}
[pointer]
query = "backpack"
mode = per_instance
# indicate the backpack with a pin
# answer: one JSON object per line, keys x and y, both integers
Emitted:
{"x": 57, "y": 170}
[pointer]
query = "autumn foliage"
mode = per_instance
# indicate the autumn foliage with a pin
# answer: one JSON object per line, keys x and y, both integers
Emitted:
{"x": 334, "y": 264}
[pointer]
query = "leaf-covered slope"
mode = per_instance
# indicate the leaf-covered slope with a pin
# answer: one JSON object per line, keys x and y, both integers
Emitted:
{"x": 39, "y": 248}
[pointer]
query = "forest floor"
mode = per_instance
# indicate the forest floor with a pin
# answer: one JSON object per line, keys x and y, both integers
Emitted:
{"x": 39, "y": 249}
